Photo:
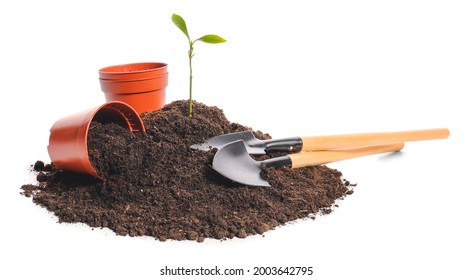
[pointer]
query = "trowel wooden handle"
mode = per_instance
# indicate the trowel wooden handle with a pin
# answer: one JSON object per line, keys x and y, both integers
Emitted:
{"x": 323, "y": 157}
{"x": 348, "y": 141}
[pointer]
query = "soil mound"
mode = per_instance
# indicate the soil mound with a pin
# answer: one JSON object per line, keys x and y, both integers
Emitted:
{"x": 153, "y": 184}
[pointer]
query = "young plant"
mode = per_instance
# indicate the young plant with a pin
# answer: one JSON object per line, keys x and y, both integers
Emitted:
{"x": 209, "y": 39}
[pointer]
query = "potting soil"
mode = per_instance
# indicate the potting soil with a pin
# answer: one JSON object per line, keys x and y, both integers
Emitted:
{"x": 153, "y": 184}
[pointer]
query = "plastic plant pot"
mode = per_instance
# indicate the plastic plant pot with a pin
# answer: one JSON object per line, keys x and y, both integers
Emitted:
{"x": 68, "y": 136}
{"x": 141, "y": 85}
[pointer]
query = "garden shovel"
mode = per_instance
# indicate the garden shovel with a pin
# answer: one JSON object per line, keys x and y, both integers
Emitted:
{"x": 234, "y": 162}
{"x": 256, "y": 146}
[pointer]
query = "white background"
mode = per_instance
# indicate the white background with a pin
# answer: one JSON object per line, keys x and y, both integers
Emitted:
{"x": 289, "y": 68}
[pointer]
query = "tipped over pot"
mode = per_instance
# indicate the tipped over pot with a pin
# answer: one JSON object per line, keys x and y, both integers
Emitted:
{"x": 68, "y": 136}
{"x": 141, "y": 85}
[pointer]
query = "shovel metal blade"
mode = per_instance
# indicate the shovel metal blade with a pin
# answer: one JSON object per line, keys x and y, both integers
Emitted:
{"x": 234, "y": 162}
{"x": 253, "y": 145}
{"x": 219, "y": 141}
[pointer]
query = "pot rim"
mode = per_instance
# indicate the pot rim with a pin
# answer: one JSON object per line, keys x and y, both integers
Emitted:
{"x": 115, "y": 69}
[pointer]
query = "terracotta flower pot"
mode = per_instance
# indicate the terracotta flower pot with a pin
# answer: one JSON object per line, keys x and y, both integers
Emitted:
{"x": 141, "y": 85}
{"x": 68, "y": 136}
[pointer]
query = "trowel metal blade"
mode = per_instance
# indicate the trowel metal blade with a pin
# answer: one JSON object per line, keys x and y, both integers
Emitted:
{"x": 234, "y": 162}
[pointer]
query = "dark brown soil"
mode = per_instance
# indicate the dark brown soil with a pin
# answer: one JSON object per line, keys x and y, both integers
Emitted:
{"x": 153, "y": 184}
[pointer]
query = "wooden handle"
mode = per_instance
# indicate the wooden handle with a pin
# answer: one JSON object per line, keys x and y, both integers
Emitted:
{"x": 347, "y": 141}
{"x": 323, "y": 157}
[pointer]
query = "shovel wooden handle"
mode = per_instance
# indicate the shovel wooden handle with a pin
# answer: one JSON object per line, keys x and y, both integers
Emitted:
{"x": 323, "y": 157}
{"x": 347, "y": 141}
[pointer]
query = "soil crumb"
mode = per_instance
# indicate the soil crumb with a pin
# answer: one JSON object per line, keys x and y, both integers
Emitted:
{"x": 153, "y": 184}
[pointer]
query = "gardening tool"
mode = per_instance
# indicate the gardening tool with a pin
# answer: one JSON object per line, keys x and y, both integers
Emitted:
{"x": 234, "y": 162}
{"x": 315, "y": 143}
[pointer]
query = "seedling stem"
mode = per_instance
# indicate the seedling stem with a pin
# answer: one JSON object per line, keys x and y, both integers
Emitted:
{"x": 209, "y": 39}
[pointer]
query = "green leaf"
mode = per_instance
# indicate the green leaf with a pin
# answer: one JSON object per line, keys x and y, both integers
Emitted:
{"x": 180, "y": 23}
{"x": 211, "y": 39}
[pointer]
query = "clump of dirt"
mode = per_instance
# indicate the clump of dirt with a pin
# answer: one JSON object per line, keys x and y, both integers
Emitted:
{"x": 153, "y": 184}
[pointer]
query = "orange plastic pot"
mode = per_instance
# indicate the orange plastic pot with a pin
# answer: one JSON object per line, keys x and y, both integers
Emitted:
{"x": 141, "y": 85}
{"x": 68, "y": 136}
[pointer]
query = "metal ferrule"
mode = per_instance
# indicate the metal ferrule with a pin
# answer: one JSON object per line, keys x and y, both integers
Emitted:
{"x": 277, "y": 162}
{"x": 290, "y": 145}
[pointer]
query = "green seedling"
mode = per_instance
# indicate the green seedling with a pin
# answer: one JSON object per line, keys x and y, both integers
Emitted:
{"x": 209, "y": 39}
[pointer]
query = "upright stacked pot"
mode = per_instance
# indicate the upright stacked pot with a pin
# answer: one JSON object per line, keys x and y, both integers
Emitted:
{"x": 141, "y": 85}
